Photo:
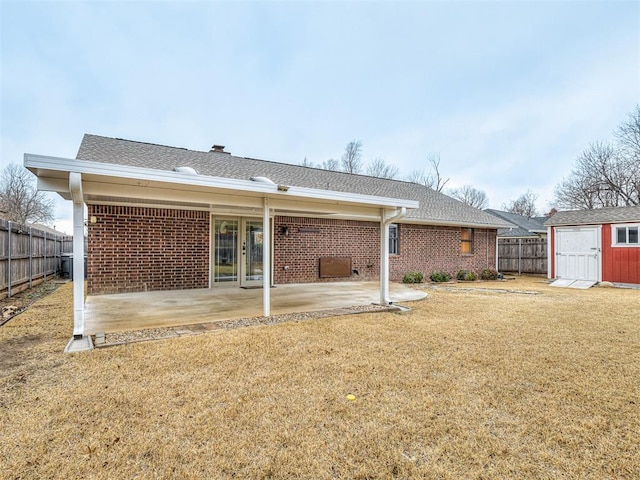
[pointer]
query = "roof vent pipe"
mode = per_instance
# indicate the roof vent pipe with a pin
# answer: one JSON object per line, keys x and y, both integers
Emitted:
{"x": 266, "y": 180}
{"x": 189, "y": 170}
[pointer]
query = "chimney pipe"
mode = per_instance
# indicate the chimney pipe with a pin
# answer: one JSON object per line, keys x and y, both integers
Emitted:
{"x": 218, "y": 149}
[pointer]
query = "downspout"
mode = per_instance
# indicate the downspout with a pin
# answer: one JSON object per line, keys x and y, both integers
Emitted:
{"x": 487, "y": 248}
{"x": 497, "y": 252}
{"x": 75, "y": 188}
{"x": 384, "y": 251}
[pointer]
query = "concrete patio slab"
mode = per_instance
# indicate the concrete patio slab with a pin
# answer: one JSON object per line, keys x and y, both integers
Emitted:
{"x": 143, "y": 310}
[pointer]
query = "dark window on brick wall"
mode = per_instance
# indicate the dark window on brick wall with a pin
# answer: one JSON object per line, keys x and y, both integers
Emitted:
{"x": 466, "y": 236}
{"x": 394, "y": 243}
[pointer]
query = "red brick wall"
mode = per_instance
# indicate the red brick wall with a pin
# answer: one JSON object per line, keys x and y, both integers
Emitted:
{"x": 136, "y": 249}
{"x": 132, "y": 249}
{"x": 312, "y": 238}
{"x": 429, "y": 249}
{"x": 422, "y": 248}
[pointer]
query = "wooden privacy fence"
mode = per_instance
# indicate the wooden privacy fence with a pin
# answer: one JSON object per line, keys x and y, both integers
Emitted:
{"x": 522, "y": 255}
{"x": 28, "y": 256}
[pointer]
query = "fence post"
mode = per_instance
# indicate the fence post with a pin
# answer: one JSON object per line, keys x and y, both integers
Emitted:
{"x": 57, "y": 254}
{"x": 30, "y": 258}
{"x": 519, "y": 256}
{"x": 45, "y": 257}
{"x": 9, "y": 259}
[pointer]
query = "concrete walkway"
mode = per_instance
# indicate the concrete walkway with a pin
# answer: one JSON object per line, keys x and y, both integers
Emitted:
{"x": 136, "y": 311}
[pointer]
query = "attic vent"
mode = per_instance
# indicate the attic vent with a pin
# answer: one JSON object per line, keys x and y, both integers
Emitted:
{"x": 218, "y": 149}
{"x": 188, "y": 170}
{"x": 266, "y": 180}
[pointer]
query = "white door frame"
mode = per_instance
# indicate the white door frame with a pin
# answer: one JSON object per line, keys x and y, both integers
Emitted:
{"x": 244, "y": 254}
{"x": 593, "y": 255}
{"x": 242, "y": 220}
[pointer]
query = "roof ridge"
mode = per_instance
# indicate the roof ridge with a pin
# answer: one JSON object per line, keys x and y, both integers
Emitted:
{"x": 140, "y": 142}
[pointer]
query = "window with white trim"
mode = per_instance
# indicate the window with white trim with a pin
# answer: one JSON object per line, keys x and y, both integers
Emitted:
{"x": 625, "y": 235}
{"x": 394, "y": 247}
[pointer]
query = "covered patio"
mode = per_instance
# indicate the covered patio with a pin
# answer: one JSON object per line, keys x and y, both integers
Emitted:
{"x": 255, "y": 200}
{"x": 159, "y": 309}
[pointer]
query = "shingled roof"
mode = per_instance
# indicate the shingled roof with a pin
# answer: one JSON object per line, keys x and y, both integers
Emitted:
{"x": 522, "y": 226}
{"x": 595, "y": 216}
{"x": 435, "y": 208}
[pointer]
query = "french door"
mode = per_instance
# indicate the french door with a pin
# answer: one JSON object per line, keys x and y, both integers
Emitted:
{"x": 251, "y": 250}
{"x": 237, "y": 251}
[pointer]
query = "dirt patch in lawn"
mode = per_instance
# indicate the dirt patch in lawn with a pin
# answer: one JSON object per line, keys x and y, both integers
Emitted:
{"x": 470, "y": 384}
{"x": 18, "y": 303}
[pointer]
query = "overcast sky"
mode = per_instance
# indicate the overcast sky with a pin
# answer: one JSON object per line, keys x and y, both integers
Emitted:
{"x": 507, "y": 93}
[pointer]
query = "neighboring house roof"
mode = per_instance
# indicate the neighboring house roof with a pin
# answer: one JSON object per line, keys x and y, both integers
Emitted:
{"x": 435, "y": 208}
{"x": 595, "y": 216}
{"x": 44, "y": 228}
{"x": 523, "y": 227}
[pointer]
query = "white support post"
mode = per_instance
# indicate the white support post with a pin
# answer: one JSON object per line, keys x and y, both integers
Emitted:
{"x": 266, "y": 261}
{"x": 384, "y": 251}
{"x": 549, "y": 250}
{"x": 384, "y": 261}
{"x": 75, "y": 186}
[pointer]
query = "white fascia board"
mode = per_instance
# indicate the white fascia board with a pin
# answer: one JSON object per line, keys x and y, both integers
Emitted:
{"x": 48, "y": 184}
{"x": 85, "y": 167}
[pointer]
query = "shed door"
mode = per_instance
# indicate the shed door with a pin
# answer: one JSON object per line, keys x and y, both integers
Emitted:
{"x": 578, "y": 253}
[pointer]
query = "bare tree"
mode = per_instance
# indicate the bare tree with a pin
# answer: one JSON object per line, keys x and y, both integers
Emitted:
{"x": 330, "y": 164}
{"x": 602, "y": 177}
{"x": 606, "y": 174}
{"x": 306, "y": 163}
{"x": 432, "y": 179}
{"x": 352, "y": 157}
{"x": 21, "y": 200}
{"x": 628, "y": 134}
{"x": 524, "y": 205}
{"x": 381, "y": 169}
{"x": 470, "y": 196}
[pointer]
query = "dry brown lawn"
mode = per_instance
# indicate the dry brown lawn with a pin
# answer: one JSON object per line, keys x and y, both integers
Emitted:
{"x": 470, "y": 384}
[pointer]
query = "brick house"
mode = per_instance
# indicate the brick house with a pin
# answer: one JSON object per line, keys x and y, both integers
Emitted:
{"x": 165, "y": 218}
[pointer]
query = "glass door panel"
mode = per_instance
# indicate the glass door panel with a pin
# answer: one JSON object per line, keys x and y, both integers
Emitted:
{"x": 225, "y": 241}
{"x": 252, "y": 252}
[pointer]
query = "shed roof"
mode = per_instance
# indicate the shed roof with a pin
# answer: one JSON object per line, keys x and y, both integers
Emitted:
{"x": 435, "y": 208}
{"x": 595, "y": 216}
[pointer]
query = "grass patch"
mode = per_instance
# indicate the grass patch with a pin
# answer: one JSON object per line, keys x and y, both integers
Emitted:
{"x": 470, "y": 384}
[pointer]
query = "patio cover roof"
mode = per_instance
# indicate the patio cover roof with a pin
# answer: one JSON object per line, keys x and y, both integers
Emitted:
{"x": 91, "y": 182}
{"x": 106, "y": 183}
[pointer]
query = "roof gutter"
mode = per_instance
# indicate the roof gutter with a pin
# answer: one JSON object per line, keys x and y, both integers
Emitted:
{"x": 445, "y": 223}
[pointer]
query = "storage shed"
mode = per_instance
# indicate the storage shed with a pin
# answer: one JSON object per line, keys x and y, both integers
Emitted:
{"x": 595, "y": 245}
